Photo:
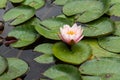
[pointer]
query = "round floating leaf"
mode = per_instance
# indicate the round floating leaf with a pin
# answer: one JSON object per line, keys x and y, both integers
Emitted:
{"x": 46, "y": 58}
{"x": 50, "y": 28}
{"x": 25, "y": 34}
{"x": 60, "y": 2}
{"x": 113, "y": 2}
{"x": 61, "y": 16}
{"x": 110, "y": 43}
{"x": 100, "y": 27}
{"x": 63, "y": 72}
{"x": 91, "y": 78}
{"x": 16, "y": 1}
{"x": 117, "y": 29}
{"x": 16, "y": 68}
{"x": 3, "y": 64}
{"x": 71, "y": 18}
{"x": 77, "y": 54}
{"x": 19, "y": 14}
{"x": 105, "y": 68}
{"x": 34, "y": 3}
{"x": 34, "y": 21}
{"x": 85, "y": 10}
{"x": 45, "y": 48}
{"x": 97, "y": 51}
{"x": 3, "y": 3}
{"x": 114, "y": 7}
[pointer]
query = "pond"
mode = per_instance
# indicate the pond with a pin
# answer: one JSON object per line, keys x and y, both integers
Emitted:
{"x": 99, "y": 47}
{"x": 36, "y": 69}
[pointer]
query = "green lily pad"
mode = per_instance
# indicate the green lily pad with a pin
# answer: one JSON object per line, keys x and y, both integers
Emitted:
{"x": 3, "y": 64}
{"x": 34, "y": 3}
{"x": 105, "y": 68}
{"x": 97, "y": 51}
{"x": 86, "y": 10}
{"x": 114, "y": 7}
{"x": 19, "y": 14}
{"x": 45, "y": 58}
{"x": 3, "y": 3}
{"x": 77, "y": 54}
{"x": 110, "y": 43}
{"x": 91, "y": 78}
{"x": 16, "y": 68}
{"x": 100, "y": 27}
{"x": 61, "y": 16}
{"x": 26, "y": 35}
{"x": 63, "y": 72}
{"x": 34, "y": 21}
{"x": 16, "y": 1}
{"x": 50, "y": 28}
{"x": 113, "y": 2}
{"x": 71, "y": 18}
{"x": 46, "y": 49}
{"x": 117, "y": 29}
{"x": 60, "y": 2}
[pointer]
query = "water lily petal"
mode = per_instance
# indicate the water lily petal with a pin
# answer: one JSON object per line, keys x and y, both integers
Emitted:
{"x": 79, "y": 39}
{"x": 72, "y": 34}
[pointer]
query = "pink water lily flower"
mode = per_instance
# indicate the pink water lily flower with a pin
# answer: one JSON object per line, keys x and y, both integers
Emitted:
{"x": 71, "y": 35}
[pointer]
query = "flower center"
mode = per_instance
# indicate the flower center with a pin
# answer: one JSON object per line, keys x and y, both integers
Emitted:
{"x": 71, "y": 32}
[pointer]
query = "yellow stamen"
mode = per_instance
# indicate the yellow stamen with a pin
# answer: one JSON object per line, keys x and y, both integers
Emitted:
{"x": 70, "y": 32}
